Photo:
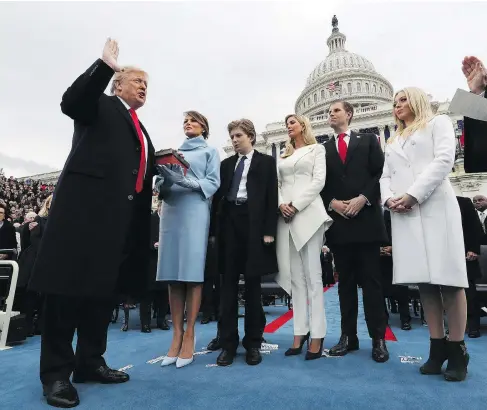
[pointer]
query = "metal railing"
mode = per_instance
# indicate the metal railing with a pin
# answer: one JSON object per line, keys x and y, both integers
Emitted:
{"x": 6, "y": 315}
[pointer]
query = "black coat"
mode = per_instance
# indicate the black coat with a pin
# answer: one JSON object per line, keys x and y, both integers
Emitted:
{"x": 30, "y": 242}
{"x": 152, "y": 284}
{"x": 262, "y": 202}
{"x": 475, "y": 149}
{"x": 96, "y": 189}
{"x": 472, "y": 234}
{"x": 359, "y": 175}
{"x": 8, "y": 239}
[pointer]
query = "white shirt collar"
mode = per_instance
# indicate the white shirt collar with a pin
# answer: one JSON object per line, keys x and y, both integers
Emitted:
{"x": 347, "y": 132}
{"x": 249, "y": 155}
{"x": 124, "y": 103}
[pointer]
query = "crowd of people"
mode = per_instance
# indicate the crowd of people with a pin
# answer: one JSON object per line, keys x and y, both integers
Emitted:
{"x": 22, "y": 197}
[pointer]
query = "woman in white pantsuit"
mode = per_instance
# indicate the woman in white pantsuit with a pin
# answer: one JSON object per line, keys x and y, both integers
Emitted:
{"x": 300, "y": 233}
{"x": 427, "y": 234}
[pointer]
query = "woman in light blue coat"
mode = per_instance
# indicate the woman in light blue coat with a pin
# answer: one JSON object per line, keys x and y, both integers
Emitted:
{"x": 183, "y": 236}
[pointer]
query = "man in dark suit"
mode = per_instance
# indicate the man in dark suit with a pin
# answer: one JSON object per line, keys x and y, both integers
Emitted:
{"x": 475, "y": 131}
{"x": 351, "y": 194}
{"x": 397, "y": 293}
{"x": 8, "y": 239}
{"x": 472, "y": 237}
{"x": 79, "y": 268}
{"x": 157, "y": 293}
{"x": 244, "y": 222}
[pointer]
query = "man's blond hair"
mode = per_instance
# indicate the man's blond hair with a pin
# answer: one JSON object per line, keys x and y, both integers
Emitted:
{"x": 123, "y": 74}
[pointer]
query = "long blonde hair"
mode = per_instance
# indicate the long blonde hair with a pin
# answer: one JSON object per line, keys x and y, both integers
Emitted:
{"x": 420, "y": 106}
{"x": 308, "y": 137}
{"x": 44, "y": 212}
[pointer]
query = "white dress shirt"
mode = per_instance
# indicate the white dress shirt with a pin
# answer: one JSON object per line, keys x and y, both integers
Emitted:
{"x": 242, "y": 188}
{"x": 143, "y": 134}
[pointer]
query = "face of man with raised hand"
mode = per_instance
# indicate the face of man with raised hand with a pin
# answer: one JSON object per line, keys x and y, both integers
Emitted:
{"x": 131, "y": 86}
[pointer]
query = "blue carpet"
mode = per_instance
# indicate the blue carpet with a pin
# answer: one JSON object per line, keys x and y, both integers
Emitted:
{"x": 351, "y": 382}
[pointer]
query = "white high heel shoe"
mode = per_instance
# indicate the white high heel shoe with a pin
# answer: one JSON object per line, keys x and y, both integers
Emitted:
{"x": 168, "y": 361}
{"x": 184, "y": 362}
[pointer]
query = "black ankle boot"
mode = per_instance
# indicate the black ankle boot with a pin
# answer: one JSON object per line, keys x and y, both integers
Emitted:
{"x": 438, "y": 356}
{"x": 458, "y": 358}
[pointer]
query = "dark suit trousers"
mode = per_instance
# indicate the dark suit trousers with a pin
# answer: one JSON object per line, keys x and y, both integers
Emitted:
{"x": 90, "y": 317}
{"x": 211, "y": 296}
{"x": 236, "y": 237}
{"x": 62, "y": 316}
{"x": 473, "y": 306}
{"x": 360, "y": 263}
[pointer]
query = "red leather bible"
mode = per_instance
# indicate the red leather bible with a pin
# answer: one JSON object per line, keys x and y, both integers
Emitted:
{"x": 171, "y": 156}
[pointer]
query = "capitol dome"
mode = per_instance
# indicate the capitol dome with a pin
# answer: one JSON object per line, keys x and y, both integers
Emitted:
{"x": 342, "y": 75}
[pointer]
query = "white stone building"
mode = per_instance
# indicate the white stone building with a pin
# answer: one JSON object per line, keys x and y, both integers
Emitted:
{"x": 347, "y": 75}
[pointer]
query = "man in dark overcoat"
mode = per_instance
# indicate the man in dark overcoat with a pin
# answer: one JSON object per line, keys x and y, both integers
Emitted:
{"x": 244, "y": 221}
{"x": 81, "y": 267}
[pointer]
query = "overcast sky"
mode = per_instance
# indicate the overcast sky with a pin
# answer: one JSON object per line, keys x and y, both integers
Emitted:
{"x": 225, "y": 59}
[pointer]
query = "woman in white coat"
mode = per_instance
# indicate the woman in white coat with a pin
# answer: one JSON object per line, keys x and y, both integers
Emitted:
{"x": 300, "y": 234}
{"x": 427, "y": 235}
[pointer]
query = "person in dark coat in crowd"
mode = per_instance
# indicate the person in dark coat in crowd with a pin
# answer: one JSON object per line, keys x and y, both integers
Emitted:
{"x": 158, "y": 294}
{"x": 28, "y": 301}
{"x": 8, "y": 239}
{"x": 397, "y": 293}
{"x": 472, "y": 236}
{"x": 80, "y": 268}
{"x": 211, "y": 286}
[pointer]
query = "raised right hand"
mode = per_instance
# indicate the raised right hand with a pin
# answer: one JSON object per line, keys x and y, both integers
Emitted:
{"x": 475, "y": 73}
{"x": 110, "y": 54}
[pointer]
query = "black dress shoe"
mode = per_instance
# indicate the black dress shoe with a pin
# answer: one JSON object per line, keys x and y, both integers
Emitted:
{"x": 214, "y": 345}
{"x": 205, "y": 320}
{"x": 346, "y": 344}
{"x": 125, "y": 327}
{"x": 103, "y": 375}
{"x": 146, "y": 329}
{"x": 406, "y": 325}
{"x": 163, "y": 325}
{"x": 473, "y": 334}
{"x": 61, "y": 393}
{"x": 253, "y": 356}
{"x": 379, "y": 351}
{"x": 225, "y": 358}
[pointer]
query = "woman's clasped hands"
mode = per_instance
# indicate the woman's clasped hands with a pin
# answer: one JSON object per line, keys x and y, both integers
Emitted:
{"x": 402, "y": 204}
{"x": 288, "y": 211}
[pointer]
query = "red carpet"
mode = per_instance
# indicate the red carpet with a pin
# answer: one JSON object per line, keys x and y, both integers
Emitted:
{"x": 275, "y": 325}
{"x": 390, "y": 336}
{"x": 282, "y": 320}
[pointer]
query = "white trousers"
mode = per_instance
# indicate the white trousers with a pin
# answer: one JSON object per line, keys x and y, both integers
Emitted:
{"x": 307, "y": 287}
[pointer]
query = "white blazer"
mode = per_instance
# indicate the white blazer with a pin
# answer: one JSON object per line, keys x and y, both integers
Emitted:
{"x": 427, "y": 242}
{"x": 301, "y": 178}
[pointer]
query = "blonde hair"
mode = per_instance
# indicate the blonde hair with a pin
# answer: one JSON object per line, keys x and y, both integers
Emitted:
{"x": 420, "y": 106}
{"x": 308, "y": 137}
{"x": 123, "y": 74}
{"x": 44, "y": 212}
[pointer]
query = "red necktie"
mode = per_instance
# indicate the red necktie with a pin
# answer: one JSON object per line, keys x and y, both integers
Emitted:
{"x": 140, "y": 176}
{"x": 342, "y": 147}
